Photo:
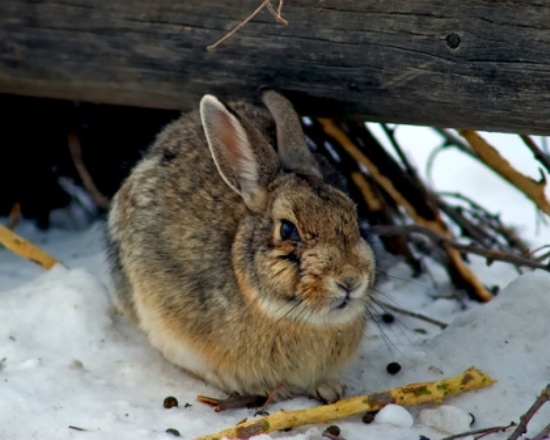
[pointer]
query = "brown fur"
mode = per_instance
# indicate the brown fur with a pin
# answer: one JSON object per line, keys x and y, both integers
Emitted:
{"x": 198, "y": 262}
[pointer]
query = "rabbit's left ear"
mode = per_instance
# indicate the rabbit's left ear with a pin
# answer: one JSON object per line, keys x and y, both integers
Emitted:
{"x": 245, "y": 160}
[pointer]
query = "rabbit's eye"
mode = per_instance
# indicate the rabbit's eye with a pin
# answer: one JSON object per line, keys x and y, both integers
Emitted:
{"x": 289, "y": 232}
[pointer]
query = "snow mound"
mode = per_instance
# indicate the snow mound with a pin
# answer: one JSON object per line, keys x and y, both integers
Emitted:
{"x": 68, "y": 361}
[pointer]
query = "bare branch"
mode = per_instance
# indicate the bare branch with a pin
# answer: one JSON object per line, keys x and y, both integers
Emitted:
{"x": 483, "y": 431}
{"x": 390, "y": 133}
{"x": 264, "y": 4}
{"x": 540, "y": 155}
{"x": 526, "y": 418}
{"x": 544, "y": 434}
{"x": 277, "y": 14}
{"x": 490, "y": 254}
{"x": 76, "y": 154}
{"x": 453, "y": 140}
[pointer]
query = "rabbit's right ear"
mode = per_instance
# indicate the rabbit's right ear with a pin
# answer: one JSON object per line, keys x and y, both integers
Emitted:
{"x": 291, "y": 144}
{"x": 245, "y": 160}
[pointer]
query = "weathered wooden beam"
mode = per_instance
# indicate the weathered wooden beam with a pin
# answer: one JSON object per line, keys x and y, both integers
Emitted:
{"x": 478, "y": 64}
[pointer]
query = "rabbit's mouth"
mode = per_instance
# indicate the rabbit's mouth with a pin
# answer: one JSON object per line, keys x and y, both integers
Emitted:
{"x": 347, "y": 303}
{"x": 343, "y": 305}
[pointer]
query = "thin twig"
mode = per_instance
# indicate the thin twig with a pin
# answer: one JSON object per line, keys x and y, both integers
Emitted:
{"x": 484, "y": 431}
{"x": 468, "y": 228}
{"x": 526, "y": 418}
{"x": 14, "y": 217}
{"x": 544, "y": 434}
{"x": 490, "y": 254}
{"x": 540, "y": 155}
{"x": 232, "y": 402}
{"x": 396, "y": 309}
{"x": 390, "y": 133}
{"x": 264, "y": 4}
{"x": 277, "y": 13}
{"x": 76, "y": 154}
{"x": 540, "y": 248}
{"x": 453, "y": 140}
{"x": 279, "y": 9}
{"x": 431, "y": 159}
{"x": 542, "y": 257}
{"x": 76, "y": 428}
{"x": 239, "y": 26}
{"x": 492, "y": 220}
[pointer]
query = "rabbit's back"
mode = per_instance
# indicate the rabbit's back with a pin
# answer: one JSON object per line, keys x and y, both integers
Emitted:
{"x": 176, "y": 218}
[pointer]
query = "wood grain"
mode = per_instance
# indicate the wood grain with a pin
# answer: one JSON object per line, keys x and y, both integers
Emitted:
{"x": 475, "y": 64}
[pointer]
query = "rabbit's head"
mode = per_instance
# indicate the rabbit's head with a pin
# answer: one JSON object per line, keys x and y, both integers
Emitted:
{"x": 299, "y": 255}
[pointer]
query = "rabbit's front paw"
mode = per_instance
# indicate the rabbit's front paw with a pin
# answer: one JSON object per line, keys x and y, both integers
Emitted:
{"x": 328, "y": 391}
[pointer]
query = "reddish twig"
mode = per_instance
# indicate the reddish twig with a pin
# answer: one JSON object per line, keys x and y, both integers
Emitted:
{"x": 526, "y": 418}
{"x": 232, "y": 402}
{"x": 490, "y": 254}
{"x": 540, "y": 248}
{"x": 265, "y": 4}
{"x": 483, "y": 432}
{"x": 14, "y": 217}
{"x": 76, "y": 154}
{"x": 491, "y": 220}
{"x": 544, "y": 434}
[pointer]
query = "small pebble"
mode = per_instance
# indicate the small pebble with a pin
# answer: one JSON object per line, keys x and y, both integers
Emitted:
{"x": 170, "y": 402}
{"x": 334, "y": 430}
{"x": 77, "y": 365}
{"x": 393, "y": 368}
{"x": 368, "y": 418}
{"x": 388, "y": 318}
{"x": 173, "y": 431}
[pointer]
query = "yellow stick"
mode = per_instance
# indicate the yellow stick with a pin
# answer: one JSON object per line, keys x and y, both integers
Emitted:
{"x": 530, "y": 187}
{"x": 19, "y": 245}
{"x": 409, "y": 395}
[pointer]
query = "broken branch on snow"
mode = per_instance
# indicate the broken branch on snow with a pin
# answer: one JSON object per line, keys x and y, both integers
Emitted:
{"x": 408, "y": 395}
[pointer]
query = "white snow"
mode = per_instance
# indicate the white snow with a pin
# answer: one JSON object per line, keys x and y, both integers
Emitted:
{"x": 395, "y": 415}
{"x": 446, "y": 418}
{"x": 67, "y": 360}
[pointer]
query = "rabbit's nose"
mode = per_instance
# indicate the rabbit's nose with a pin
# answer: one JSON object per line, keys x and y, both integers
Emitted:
{"x": 348, "y": 283}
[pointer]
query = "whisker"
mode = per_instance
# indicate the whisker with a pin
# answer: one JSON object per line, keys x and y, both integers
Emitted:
{"x": 415, "y": 315}
{"x": 394, "y": 334}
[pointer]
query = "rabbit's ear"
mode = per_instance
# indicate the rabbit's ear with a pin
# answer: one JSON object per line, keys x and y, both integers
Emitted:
{"x": 291, "y": 145}
{"x": 245, "y": 160}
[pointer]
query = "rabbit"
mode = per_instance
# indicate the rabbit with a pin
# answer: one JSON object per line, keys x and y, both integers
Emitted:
{"x": 238, "y": 261}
